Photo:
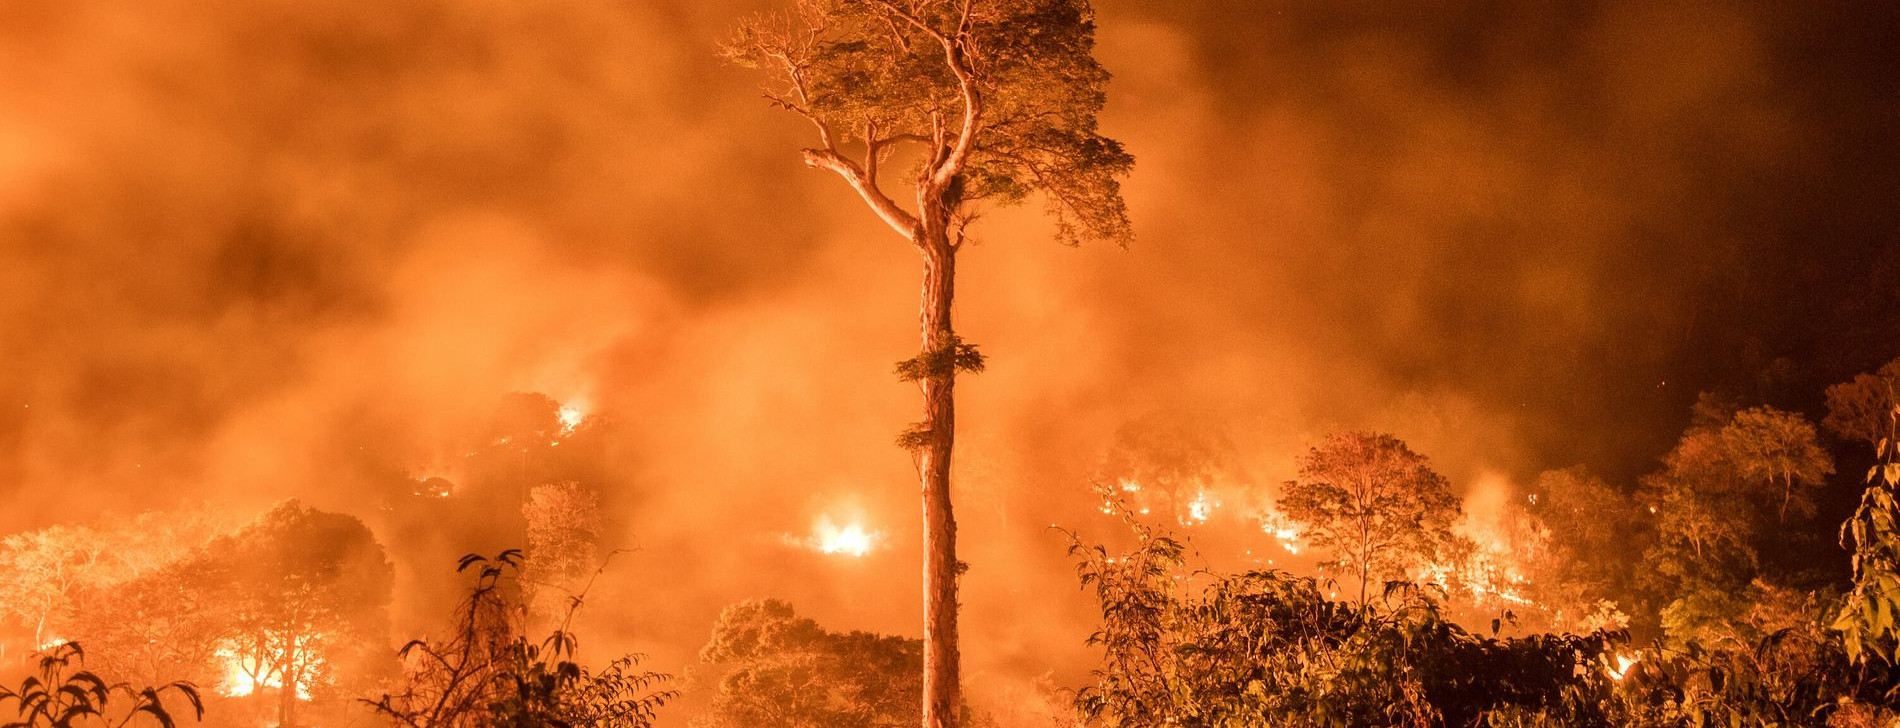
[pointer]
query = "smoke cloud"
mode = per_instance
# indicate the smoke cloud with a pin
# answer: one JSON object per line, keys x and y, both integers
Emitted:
{"x": 251, "y": 251}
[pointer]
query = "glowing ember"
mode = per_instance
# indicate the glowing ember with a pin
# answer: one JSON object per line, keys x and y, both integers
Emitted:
{"x": 848, "y": 540}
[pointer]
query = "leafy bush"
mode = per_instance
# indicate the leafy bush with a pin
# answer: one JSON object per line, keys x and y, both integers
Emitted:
{"x": 489, "y": 675}
{"x": 1268, "y": 648}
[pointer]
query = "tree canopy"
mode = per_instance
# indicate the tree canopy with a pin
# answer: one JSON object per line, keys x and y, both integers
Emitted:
{"x": 784, "y": 671}
{"x": 1373, "y": 503}
{"x": 997, "y": 97}
{"x": 1858, "y": 409}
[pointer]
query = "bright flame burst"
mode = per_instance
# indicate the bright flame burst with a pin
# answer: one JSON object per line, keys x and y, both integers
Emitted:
{"x": 571, "y": 414}
{"x": 849, "y": 540}
{"x": 1622, "y": 667}
{"x": 1201, "y": 508}
{"x": 243, "y": 676}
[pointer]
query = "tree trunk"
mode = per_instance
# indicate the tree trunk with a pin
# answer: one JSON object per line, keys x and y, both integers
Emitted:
{"x": 1787, "y": 494}
{"x": 287, "y": 701}
{"x": 941, "y": 671}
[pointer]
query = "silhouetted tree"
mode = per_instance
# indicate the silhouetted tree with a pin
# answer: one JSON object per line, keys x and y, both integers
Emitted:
{"x": 994, "y": 100}
{"x": 301, "y": 594}
{"x": 1179, "y": 460}
{"x": 1373, "y": 503}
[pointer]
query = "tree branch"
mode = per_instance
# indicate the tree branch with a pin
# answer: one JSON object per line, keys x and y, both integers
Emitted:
{"x": 956, "y": 56}
{"x": 900, "y": 220}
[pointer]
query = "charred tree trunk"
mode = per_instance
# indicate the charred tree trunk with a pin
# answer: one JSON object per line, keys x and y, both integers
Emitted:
{"x": 938, "y": 435}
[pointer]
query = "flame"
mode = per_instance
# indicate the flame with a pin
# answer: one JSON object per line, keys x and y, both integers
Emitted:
{"x": 1282, "y": 529}
{"x": 571, "y": 413}
{"x": 849, "y": 540}
{"x": 1622, "y": 666}
{"x": 243, "y": 676}
{"x": 1200, "y": 508}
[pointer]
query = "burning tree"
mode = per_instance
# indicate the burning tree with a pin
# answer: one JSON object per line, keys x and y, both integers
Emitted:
{"x": 1195, "y": 647}
{"x": 301, "y": 593}
{"x": 55, "y": 580}
{"x": 993, "y": 100}
{"x": 1587, "y": 521}
{"x": 1377, "y": 506}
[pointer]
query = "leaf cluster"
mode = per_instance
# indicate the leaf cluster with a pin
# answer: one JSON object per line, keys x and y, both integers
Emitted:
{"x": 63, "y": 694}
{"x": 943, "y": 361}
{"x": 1869, "y": 618}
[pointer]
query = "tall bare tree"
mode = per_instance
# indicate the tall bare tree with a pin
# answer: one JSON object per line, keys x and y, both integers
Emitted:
{"x": 989, "y": 101}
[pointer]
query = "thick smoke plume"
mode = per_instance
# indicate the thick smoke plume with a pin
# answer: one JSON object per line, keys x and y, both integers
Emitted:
{"x": 259, "y": 250}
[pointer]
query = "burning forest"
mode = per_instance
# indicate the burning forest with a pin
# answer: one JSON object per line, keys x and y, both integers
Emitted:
{"x": 949, "y": 363}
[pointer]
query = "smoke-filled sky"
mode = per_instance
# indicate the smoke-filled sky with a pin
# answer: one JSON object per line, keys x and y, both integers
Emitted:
{"x": 245, "y": 244}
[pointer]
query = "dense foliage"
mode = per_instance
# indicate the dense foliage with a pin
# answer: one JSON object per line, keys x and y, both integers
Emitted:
{"x": 784, "y": 671}
{"x": 1269, "y": 648}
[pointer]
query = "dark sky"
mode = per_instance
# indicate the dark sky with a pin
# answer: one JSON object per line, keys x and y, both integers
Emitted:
{"x": 237, "y": 239}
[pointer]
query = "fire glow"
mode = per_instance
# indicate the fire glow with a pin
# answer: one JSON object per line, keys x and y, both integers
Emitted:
{"x": 571, "y": 414}
{"x": 1622, "y": 667}
{"x": 244, "y": 676}
{"x": 851, "y": 539}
